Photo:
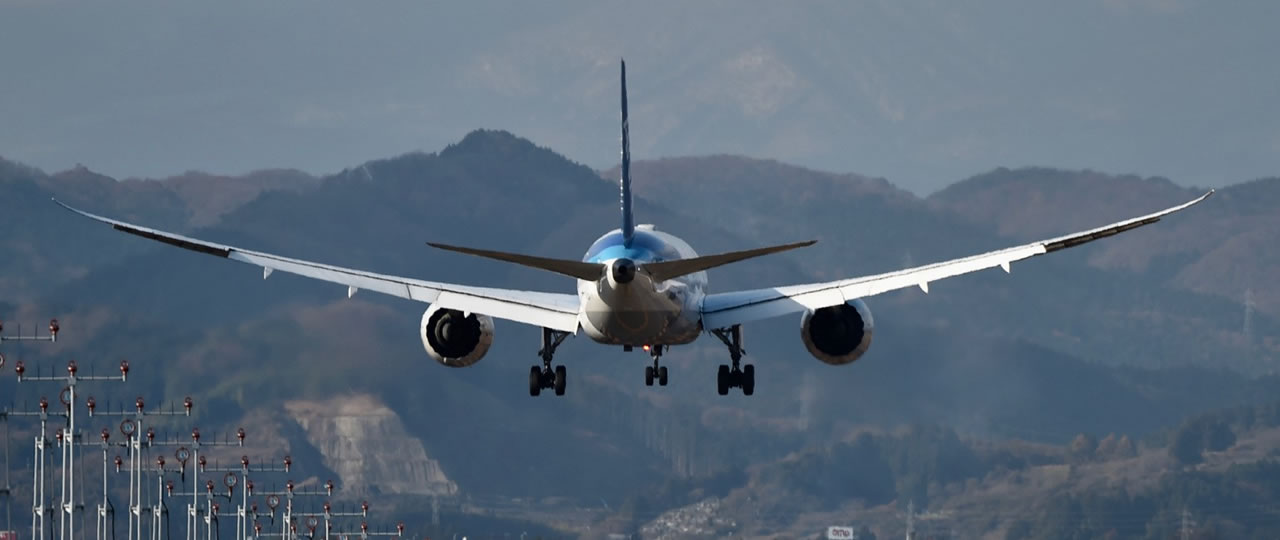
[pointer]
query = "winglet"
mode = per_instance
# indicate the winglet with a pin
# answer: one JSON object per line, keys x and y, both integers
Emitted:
{"x": 628, "y": 221}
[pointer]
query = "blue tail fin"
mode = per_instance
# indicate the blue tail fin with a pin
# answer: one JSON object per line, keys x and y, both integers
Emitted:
{"x": 628, "y": 222}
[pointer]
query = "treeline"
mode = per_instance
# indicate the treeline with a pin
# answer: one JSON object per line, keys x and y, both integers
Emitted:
{"x": 1214, "y": 431}
{"x": 880, "y": 469}
{"x": 1242, "y": 502}
{"x": 925, "y": 464}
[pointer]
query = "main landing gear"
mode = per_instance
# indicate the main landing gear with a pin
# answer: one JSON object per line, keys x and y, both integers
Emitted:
{"x": 727, "y": 377}
{"x": 655, "y": 371}
{"x": 544, "y": 376}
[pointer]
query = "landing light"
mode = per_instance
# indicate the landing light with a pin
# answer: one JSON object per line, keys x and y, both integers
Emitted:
{"x": 645, "y": 347}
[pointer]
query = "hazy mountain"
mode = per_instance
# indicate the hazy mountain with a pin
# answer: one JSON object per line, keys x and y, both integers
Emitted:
{"x": 917, "y": 91}
{"x": 1222, "y": 248}
{"x": 1027, "y": 356}
{"x": 42, "y": 253}
{"x": 866, "y": 226}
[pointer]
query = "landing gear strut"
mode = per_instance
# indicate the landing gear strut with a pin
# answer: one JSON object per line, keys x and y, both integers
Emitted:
{"x": 544, "y": 376}
{"x": 655, "y": 371}
{"x": 737, "y": 376}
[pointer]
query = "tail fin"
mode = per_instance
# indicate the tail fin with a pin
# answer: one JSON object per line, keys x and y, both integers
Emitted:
{"x": 628, "y": 221}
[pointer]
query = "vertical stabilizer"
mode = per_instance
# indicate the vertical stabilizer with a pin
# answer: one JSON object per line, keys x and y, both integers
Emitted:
{"x": 628, "y": 221}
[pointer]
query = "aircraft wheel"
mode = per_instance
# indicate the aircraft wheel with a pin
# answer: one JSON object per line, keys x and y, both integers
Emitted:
{"x": 748, "y": 379}
{"x": 722, "y": 380}
{"x": 662, "y": 376}
{"x": 562, "y": 376}
{"x": 535, "y": 381}
{"x": 648, "y": 375}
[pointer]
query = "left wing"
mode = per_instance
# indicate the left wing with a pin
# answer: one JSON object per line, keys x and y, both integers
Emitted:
{"x": 727, "y": 309}
{"x": 548, "y": 310}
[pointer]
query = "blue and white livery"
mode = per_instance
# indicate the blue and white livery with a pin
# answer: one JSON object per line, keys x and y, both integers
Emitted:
{"x": 640, "y": 287}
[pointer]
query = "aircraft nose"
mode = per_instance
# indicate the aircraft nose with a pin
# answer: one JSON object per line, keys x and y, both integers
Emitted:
{"x": 624, "y": 270}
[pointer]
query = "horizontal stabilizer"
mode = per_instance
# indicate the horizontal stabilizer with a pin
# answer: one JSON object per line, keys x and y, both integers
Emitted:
{"x": 582, "y": 270}
{"x": 665, "y": 270}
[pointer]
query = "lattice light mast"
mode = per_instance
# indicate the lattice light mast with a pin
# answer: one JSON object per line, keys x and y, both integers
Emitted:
{"x": 68, "y": 442}
{"x": 6, "y": 491}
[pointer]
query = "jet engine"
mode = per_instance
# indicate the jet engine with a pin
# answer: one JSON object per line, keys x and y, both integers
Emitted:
{"x": 455, "y": 339}
{"x": 837, "y": 335}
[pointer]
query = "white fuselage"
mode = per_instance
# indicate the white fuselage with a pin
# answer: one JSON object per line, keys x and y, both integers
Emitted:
{"x": 640, "y": 312}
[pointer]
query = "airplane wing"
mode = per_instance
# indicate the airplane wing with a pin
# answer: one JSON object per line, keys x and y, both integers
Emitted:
{"x": 727, "y": 309}
{"x": 549, "y": 310}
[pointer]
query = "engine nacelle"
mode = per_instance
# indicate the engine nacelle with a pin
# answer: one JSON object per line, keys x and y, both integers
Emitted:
{"x": 453, "y": 339}
{"x": 838, "y": 335}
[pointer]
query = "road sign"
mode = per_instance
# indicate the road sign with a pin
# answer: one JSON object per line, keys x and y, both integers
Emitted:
{"x": 840, "y": 533}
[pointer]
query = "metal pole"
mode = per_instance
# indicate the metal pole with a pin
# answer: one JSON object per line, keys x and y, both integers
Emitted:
{"x": 135, "y": 481}
{"x": 102, "y": 507}
{"x": 244, "y": 503}
{"x": 62, "y": 488}
{"x": 66, "y": 513}
{"x": 8, "y": 481}
{"x": 132, "y": 441}
{"x": 70, "y": 505}
{"x": 36, "y": 534}
{"x": 84, "y": 518}
{"x": 159, "y": 507}
{"x": 194, "y": 528}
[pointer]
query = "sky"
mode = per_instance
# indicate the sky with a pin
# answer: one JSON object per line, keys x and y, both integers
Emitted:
{"x": 923, "y": 93}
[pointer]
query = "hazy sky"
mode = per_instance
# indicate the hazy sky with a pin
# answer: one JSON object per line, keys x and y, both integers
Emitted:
{"x": 921, "y": 92}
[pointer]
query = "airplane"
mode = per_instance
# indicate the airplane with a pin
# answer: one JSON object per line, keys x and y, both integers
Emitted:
{"x": 638, "y": 286}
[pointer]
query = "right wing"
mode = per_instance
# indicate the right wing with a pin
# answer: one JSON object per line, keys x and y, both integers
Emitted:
{"x": 727, "y": 309}
{"x": 548, "y": 310}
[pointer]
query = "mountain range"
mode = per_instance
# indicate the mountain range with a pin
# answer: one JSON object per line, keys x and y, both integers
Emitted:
{"x": 1128, "y": 335}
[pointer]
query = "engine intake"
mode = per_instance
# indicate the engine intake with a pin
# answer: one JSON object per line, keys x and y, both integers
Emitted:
{"x": 838, "y": 335}
{"x": 455, "y": 339}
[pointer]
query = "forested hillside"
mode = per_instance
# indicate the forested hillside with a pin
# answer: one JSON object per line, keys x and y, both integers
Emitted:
{"x": 1000, "y": 374}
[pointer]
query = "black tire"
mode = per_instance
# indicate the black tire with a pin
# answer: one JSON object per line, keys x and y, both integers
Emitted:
{"x": 662, "y": 376}
{"x": 748, "y": 379}
{"x": 535, "y": 381}
{"x": 648, "y": 375}
{"x": 562, "y": 378}
{"x": 722, "y": 380}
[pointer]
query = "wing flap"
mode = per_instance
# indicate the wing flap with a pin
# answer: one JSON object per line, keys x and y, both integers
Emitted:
{"x": 727, "y": 309}
{"x": 332, "y": 274}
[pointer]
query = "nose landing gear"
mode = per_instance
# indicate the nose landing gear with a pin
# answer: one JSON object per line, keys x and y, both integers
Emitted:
{"x": 655, "y": 371}
{"x": 544, "y": 376}
{"x": 735, "y": 376}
